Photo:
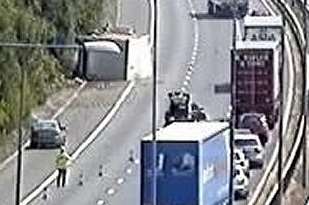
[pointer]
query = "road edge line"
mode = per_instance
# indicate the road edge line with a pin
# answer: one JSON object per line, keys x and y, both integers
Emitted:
{"x": 274, "y": 156}
{"x": 46, "y": 182}
{"x": 288, "y": 164}
{"x": 59, "y": 112}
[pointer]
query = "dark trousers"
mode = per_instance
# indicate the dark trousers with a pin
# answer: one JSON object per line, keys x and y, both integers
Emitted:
{"x": 61, "y": 176}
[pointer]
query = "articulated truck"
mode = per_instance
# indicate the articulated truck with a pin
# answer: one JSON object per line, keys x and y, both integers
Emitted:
{"x": 192, "y": 165}
{"x": 228, "y": 8}
{"x": 257, "y": 79}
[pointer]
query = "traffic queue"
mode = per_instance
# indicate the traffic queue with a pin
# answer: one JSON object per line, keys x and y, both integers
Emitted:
{"x": 250, "y": 137}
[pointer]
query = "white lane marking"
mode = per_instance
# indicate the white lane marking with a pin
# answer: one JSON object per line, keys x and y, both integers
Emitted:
{"x": 136, "y": 161}
{"x": 295, "y": 19}
{"x": 185, "y": 83}
{"x": 129, "y": 171}
{"x": 111, "y": 191}
{"x": 285, "y": 121}
{"x": 100, "y": 202}
{"x": 105, "y": 122}
{"x": 193, "y": 58}
{"x": 290, "y": 84}
{"x": 183, "y": 89}
{"x": 59, "y": 112}
{"x": 195, "y": 46}
{"x": 83, "y": 146}
{"x": 152, "y": 22}
{"x": 194, "y": 53}
{"x": 120, "y": 180}
{"x": 288, "y": 164}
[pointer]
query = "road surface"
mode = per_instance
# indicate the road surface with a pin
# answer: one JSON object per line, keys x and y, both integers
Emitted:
{"x": 177, "y": 44}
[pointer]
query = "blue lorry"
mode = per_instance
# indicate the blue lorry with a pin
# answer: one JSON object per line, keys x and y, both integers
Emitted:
{"x": 192, "y": 166}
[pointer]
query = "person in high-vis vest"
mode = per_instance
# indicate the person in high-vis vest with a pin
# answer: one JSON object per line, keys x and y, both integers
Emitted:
{"x": 63, "y": 160}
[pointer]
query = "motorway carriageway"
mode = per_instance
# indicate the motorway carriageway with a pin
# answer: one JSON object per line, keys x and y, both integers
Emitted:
{"x": 182, "y": 42}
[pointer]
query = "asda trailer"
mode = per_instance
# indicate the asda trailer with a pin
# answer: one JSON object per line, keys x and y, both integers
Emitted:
{"x": 192, "y": 164}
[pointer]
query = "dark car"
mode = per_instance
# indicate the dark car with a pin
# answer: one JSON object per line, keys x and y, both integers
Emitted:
{"x": 178, "y": 108}
{"x": 47, "y": 134}
{"x": 256, "y": 123}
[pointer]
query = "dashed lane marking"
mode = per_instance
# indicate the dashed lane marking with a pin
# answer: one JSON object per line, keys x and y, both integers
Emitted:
{"x": 129, "y": 171}
{"x": 185, "y": 83}
{"x": 101, "y": 202}
{"x": 83, "y": 146}
{"x": 120, "y": 180}
{"x": 111, "y": 191}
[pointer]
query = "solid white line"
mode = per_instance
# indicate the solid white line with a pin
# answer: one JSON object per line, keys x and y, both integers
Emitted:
{"x": 40, "y": 188}
{"x": 183, "y": 89}
{"x": 289, "y": 163}
{"x": 100, "y": 202}
{"x": 61, "y": 109}
{"x": 104, "y": 123}
{"x": 83, "y": 146}
{"x": 290, "y": 89}
{"x": 285, "y": 121}
{"x": 295, "y": 19}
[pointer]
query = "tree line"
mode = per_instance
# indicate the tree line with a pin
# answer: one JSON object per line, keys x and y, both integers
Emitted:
{"x": 46, "y": 22}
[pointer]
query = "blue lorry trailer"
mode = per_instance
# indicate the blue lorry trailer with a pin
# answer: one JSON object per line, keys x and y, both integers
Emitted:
{"x": 192, "y": 166}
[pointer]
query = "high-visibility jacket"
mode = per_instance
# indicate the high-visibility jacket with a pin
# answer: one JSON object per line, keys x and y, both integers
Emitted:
{"x": 63, "y": 160}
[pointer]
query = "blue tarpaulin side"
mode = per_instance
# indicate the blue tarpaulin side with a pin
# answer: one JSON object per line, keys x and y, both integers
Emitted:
{"x": 177, "y": 173}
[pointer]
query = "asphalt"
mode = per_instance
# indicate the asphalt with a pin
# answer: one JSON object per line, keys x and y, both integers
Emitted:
{"x": 38, "y": 164}
{"x": 133, "y": 120}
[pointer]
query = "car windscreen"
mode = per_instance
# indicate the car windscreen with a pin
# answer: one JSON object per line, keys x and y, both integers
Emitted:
{"x": 46, "y": 133}
{"x": 246, "y": 142}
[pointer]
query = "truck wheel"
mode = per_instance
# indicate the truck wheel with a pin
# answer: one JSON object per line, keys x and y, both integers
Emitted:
{"x": 271, "y": 125}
